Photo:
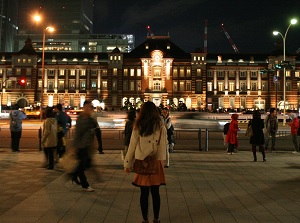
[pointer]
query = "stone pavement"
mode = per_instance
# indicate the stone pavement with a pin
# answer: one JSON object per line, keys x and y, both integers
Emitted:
{"x": 201, "y": 187}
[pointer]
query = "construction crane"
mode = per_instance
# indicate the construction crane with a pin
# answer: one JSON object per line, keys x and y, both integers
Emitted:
{"x": 298, "y": 51}
{"x": 149, "y": 33}
{"x": 229, "y": 39}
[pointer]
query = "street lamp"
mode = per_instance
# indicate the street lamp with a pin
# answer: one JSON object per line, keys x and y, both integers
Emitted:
{"x": 49, "y": 29}
{"x": 38, "y": 19}
{"x": 293, "y": 21}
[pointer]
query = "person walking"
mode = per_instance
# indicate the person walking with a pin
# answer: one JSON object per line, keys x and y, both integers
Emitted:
{"x": 271, "y": 128}
{"x": 15, "y": 118}
{"x": 98, "y": 133}
{"x": 170, "y": 133}
{"x": 257, "y": 139}
{"x": 83, "y": 140}
{"x": 131, "y": 115}
{"x": 49, "y": 137}
{"x": 231, "y": 137}
{"x": 294, "y": 130}
{"x": 147, "y": 131}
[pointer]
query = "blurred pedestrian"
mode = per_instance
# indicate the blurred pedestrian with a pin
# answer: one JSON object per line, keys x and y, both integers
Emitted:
{"x": 49, "y": 137}
{"x": 258, "y": 138}
{"x": 231, "y": 137}
{"x": 15, "y": 118}
{"x": 131, "y": 115}
{"x": 170, "y": 133}
{"x": 98, "y": 133}
{"x": 83, "y": 140}
{"x": 61, "y": 141}
{"x": 294, "y": 130}
{"x": 147, "y": 132}
{"x": 271, "y": 128}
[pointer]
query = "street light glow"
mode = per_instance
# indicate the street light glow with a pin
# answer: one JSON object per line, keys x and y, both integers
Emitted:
{"x": 37, "y": 18}
{"x": 293, "y": 22}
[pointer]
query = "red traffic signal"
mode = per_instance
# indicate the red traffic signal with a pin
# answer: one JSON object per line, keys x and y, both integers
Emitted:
{"x": 22, "y": 81}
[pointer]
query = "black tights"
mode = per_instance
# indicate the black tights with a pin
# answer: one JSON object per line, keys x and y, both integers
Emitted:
{"x": 155, "y": 200}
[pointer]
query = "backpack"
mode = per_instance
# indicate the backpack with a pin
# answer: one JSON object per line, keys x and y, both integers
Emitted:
{"x": 15, "y": 121}
{"x": 226, "y": 128}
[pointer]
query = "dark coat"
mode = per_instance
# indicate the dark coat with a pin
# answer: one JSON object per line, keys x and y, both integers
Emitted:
{"x": 258, "y": 135}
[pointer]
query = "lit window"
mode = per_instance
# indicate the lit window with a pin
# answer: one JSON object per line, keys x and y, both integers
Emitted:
{"x": 220, "y": 86}
{"x": 61, "y": 72}
{"x": 181, "y": 72}
{"x": 72, "y": 85}
{"x": 188, "y": 72}
{"x": 175, "y": 86}
{"x": 72, "y": 72}
{"x": 93, "y": 84}
{"x": 125, "y": 72}
{"x": 297, "y": 74}
{"x": 198, "y": 72}
{"x": 115, "y": 71}
{"x": 50, "y": 84}
{"x": 181, "y": 86}
{"x": 104, "y": 85}
{"x": 175, "y": 72}
{"x": 264, "y": 86}
{"x": 61, "y": 85}
{"x": 209, "y": 86}
{"x": 138, "y": 72}
{"x": 18, "y": 71}
{"x": 156, "y": 86}
{"x": 82, "y": 85}
{"x": 83, "y": 72}
{"x": 231, "y": 86}
{"x": 132, "y": 72}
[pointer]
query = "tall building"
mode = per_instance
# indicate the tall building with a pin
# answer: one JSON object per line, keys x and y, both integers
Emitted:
{"x": 68, "y": 16}
{"x": 8, "y": 24}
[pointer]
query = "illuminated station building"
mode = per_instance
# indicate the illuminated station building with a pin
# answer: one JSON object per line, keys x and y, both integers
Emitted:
{"x": 156, "y": 70}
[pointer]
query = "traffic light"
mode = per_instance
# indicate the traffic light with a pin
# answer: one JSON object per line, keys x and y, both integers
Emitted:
{"x": 22, "y": 81}
{"x": 278, "y": 66}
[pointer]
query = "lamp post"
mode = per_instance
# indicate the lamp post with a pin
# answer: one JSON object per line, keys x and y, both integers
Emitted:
{"x": 293, "y": 21}
{"x": 50, "y": 29}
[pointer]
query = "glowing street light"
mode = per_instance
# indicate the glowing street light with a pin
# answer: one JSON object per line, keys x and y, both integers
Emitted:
{"x": 38, "y": 18}
{"x": 293, "y": 21}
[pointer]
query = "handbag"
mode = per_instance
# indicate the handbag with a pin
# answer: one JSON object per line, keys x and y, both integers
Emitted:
{"x": 148, "y": 166}
{"x": 249, "y": 131}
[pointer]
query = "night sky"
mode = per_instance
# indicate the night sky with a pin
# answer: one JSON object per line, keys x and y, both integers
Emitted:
{"x": 249, "y": 23}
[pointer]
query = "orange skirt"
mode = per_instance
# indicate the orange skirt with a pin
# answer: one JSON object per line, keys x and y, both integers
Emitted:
{"x": 156, "y": 179}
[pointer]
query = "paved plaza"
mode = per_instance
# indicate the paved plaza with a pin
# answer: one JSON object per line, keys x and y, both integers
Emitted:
{"x": 201, "y": 187}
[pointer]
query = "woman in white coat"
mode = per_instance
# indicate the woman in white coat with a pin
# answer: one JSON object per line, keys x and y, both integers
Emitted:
{"x": 148, "y": 130}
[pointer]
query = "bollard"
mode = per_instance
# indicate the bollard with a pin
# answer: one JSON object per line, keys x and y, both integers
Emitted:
{"x": 206, "y": 140}
{"x": 40, "y": 138}
{"x": 199, "y": 138}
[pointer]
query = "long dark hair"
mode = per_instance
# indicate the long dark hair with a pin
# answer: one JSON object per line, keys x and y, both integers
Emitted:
{"x": 148, "y": 119}
{"x": 256, "y": 114}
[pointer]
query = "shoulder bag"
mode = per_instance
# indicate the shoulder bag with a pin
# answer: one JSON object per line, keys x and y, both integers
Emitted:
{"x": 148, "y": 166}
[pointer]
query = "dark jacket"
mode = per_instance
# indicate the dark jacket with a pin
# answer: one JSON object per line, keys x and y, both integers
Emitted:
{"x": 128, "y": 131}
{"x": 258, "y": 135}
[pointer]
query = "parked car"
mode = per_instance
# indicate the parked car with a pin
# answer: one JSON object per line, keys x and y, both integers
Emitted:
{"x": 32, "y": 112}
